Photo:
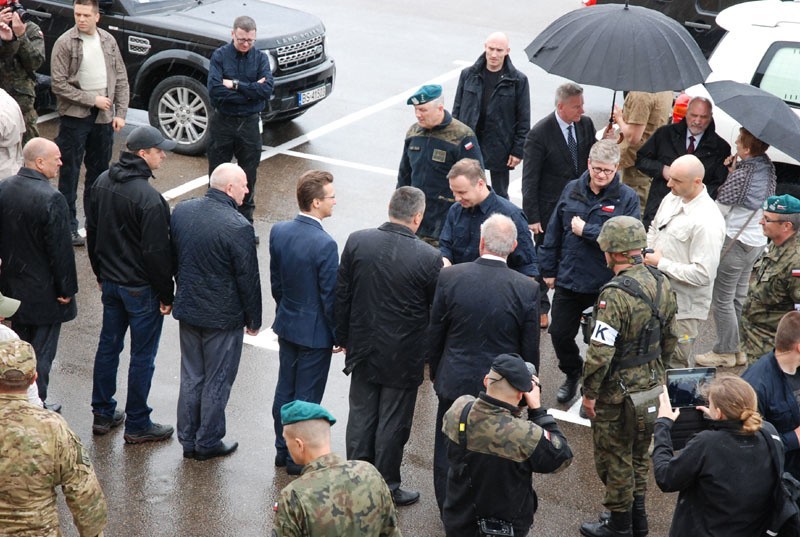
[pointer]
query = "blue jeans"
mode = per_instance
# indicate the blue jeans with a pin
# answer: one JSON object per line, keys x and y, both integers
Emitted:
{"x": 302, "y": 376}
{"x": 137, "y": 307}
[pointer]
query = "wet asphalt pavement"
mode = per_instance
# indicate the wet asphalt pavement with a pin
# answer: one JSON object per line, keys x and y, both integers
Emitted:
{"x": 383, "y": 52}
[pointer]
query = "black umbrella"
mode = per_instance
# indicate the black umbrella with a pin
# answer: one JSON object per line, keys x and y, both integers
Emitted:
{"x": 766, "y": 116}
{"x": 628, "y": 48}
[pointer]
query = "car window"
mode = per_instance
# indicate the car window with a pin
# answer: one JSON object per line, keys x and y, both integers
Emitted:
{"x": 779, "y": 72}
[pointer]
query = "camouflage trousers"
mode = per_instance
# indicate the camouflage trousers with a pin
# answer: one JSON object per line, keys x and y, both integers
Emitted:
{"x": 621, "y": 453}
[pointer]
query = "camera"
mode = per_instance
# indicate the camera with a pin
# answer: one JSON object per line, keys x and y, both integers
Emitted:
{"x": 16, "y": 7}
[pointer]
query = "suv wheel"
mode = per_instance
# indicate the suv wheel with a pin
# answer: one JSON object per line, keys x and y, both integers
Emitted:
{"x": 180, "y": 109}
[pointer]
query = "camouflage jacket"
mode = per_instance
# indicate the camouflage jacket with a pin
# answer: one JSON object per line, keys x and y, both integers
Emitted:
{"x": 40, "y": 453}
{"x": 28, "y": 55}
{"x": 774, "y": 291}
{"x": 336, "y": 498}
{"x": 619, "y": 318}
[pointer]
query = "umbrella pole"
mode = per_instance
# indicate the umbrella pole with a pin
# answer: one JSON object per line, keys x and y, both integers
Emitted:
{"x": 613, "y": 102}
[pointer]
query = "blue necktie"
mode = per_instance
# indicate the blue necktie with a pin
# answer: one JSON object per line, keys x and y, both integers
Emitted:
{"x": 573, "y": 148}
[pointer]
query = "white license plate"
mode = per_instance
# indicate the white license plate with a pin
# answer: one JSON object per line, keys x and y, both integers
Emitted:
{"x": 310, "y": 96}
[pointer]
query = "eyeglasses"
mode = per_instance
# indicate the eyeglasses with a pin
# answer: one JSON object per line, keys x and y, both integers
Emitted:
{"x": 244, "y": 41}
{"x": 329, "y": 197}
{"x": 603, "y": 171}
{"x": 769, "y": 221}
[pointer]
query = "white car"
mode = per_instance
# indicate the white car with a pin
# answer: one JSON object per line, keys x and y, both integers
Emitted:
{"x": 762, "y": 48}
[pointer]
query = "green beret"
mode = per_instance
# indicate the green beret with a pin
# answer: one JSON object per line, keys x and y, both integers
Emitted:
{"x": 425, "y": 94}
{"x": 17, "y": 360}
{"x": 302, "y": 411}
{"x": 513, "y": 368}
{"x": 785, "y": 204}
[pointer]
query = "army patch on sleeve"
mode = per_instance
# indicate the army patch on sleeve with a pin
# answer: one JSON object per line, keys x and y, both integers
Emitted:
{"x": 796, "y": 273}
{"x": 601, "y": 305}
{"x": 468, "y": 146}
{"x": 604, "y": 334}
{"x": 607, "y": 208}
{"x": 439, "y": 155}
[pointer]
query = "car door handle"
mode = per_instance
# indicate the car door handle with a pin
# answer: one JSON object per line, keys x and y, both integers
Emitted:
{"x": 697, "y": 25}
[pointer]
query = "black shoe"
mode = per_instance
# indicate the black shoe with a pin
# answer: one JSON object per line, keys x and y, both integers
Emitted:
{"x": 222, "y": 449}
{"x": 55, "y": 407}
{"x": 77, "y": 240}
{"x": 292, "y": 468}
{"x": 155, "y": 433}
{"x": 280, "y": 460}
{"x": 568, "y": 390}
{"x": 103, "y": 424}
{"x": 404, "y": 497}
{"x": 258, "y": 241}
{"x": 618, "y": 524}
{"x": 189, "y": 454}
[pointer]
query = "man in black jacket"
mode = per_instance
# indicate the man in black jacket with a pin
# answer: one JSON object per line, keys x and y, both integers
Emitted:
{"x": 493, "y": 99}
{"x": 36, "y": 249}
{"x": 695, "y": 135}
{"x": 128, "y": 235}
{"x": 387, "y": 278}
{"x": 219, "y": 295}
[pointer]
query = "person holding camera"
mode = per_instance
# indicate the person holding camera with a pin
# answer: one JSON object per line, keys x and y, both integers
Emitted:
{"x": 489, "y": 484}
{"x": 709, "y": 472}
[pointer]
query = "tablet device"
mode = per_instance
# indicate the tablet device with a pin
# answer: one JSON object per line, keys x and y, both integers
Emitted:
{"x": 685, "y": 386}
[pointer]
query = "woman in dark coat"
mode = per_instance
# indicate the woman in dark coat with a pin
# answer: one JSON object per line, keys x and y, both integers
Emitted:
{"x": 725, "y": 475}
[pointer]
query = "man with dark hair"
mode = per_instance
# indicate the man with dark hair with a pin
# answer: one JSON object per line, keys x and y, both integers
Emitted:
{"x": 475, "y": 202}
{"x": 38, "y": 261}
{"x": 127, "y": 228}
{"x": 777, "y": 385}
{"x": 239, "y": 86}
{"x": 302, "y": 266}
{"x": 387, "y": 278}
{"x": 480, "y": 309}
{"x": 493, "y": 99}
{"x": 91, "y": 85}
{"x": 219, "y": 295}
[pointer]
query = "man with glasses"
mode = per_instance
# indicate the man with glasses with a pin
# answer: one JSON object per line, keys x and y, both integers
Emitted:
{"x": 239, "y": 85}
{"x": 775, "y": 285}
{"x": 570, "y": 260}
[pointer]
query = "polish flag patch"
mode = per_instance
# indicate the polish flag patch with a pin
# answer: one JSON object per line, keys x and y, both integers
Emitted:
{"x": 796, "y": 273}
{"x": 607, "y": 208}
{"x": 469, "y": 145}
{"x": 546, "y": 434}
{"x": 601, "y": 305}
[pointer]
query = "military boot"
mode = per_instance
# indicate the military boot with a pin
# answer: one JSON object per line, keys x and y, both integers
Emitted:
{"x": 639, "y": 517}
{"x": 617, "y": 525}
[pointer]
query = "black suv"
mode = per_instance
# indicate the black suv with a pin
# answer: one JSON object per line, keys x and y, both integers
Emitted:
{"x": 167, "y": 46}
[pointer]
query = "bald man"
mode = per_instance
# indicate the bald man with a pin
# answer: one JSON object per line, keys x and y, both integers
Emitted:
{"x": 686, "y": 238}
{"x": 36, "y": 249}
{"x": 493, "y": 99}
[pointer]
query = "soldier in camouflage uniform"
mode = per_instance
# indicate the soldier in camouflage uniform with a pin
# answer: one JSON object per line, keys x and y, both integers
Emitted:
{"x": 493, "y": 450}
{"x": 332, "y": 497}
{"x": 17, "y": 70}
{"x": 775, "y": 282}
{"x": 632, "y": 338}
{"x": 40, "y": 452}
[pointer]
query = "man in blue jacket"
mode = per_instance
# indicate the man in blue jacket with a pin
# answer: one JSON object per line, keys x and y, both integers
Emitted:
{"x": 570, "y": 259}
{"x": 775, "y": 380}
{"x": 493, "y": 99}
{"x": 303, "y": 264}
{"x": 219, "y": 295}
{"x": 239, "y": 86}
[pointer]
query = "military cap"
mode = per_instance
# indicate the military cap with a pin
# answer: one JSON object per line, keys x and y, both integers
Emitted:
{"x": 303, "y": 411}
{"x": 425, "y": 94}
{"x": 785, "y": 204}
{"x": 8, "y": 306}
{"x": 17, "y": 360}
{"x": 622, "y": 234}
{"x": 513, "y": 368}
{"x": 145, "y": 137}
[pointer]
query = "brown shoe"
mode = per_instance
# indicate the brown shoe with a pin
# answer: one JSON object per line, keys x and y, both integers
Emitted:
{"x": 544, "y": 321}
{"x": 713, "y": 359}
{"x": 741, "y": 358}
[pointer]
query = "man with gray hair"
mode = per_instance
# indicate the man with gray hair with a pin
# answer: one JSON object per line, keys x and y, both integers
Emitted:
{"x": 570, "y": 260}
{"x": 481, "y": 309}
{"x": 384, "y": 290}
{"x": 556, "y": 151}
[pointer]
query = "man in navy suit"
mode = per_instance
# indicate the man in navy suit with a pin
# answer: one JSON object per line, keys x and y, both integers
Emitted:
{"x": 481, "y": 309}
{"x": 303, "y": 263}
{"x": 549, "y": 163}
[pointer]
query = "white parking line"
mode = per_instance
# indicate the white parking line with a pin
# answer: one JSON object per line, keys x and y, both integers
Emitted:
{"x": 572, "y": 415}
{"x": 266, "y": 339}
{"x": 343, "y": 163}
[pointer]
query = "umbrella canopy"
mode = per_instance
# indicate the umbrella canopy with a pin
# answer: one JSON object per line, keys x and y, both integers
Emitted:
{"x": 766, "y": 116}
{"x": 620, "y": 47}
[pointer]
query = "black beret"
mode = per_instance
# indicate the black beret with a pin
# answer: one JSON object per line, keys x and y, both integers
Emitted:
{"x": 512, "y": 368}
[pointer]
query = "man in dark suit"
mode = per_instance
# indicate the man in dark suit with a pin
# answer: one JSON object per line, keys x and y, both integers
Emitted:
{"x": 695, "y": 135}
{"x": 481, "y": 309}
{"x": 385, "y": 288}
{"x": 303, "y": 264}
{"x": 556, "y": 151}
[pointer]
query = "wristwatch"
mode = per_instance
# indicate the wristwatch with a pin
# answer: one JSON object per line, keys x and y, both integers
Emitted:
{"x": 235, "y": 84}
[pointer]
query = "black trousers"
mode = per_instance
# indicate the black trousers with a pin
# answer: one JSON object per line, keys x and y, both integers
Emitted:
{"x": 240, "y": 137}
{"x": 441, "y": 464}
{"x": 500, "y": 179}
{"x": 379, "y": 425}
{"x": 565, "y": 323}
{"x": 44, "y": 340}
{"x": 544, "y": 300}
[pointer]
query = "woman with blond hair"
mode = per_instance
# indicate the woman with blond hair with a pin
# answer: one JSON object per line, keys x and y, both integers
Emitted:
{"x": 725, "y": 475}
